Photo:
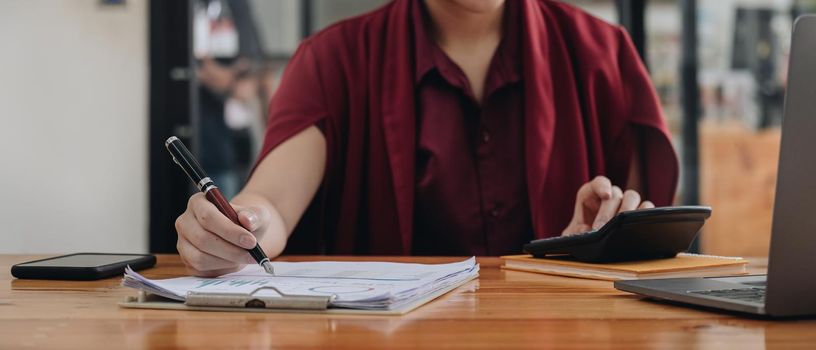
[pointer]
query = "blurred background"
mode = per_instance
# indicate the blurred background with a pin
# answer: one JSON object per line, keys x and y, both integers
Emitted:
{"x": 90, "y": 89}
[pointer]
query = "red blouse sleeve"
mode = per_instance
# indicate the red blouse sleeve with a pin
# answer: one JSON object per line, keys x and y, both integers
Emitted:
{"x": 299, "y": 101}
{"x": 646, "y": 124}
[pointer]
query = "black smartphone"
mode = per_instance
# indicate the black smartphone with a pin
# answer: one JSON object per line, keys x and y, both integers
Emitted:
{"x": 82, "y": 266}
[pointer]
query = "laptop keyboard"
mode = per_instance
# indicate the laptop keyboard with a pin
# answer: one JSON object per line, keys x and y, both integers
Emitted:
{"x": 752, "y": 295}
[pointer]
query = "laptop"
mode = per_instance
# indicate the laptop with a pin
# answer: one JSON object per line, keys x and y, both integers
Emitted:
{"x": 789, "y": 288}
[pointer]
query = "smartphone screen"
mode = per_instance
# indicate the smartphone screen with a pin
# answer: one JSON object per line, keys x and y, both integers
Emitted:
{"x": 83, "y": 260}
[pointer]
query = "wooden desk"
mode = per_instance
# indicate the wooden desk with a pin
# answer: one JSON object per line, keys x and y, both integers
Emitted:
{"x": 503, "y": 309}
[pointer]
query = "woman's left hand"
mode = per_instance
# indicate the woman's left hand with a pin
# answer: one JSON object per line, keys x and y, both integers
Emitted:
{"x": 598, "y": 201}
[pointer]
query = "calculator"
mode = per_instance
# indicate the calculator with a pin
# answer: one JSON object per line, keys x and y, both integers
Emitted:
{"x": 631, "y": 235}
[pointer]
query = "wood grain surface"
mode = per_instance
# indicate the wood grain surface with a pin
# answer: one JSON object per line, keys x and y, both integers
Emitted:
{"x": 500, "y": 310}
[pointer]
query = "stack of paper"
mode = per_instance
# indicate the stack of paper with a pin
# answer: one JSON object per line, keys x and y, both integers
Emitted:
{"x": 357, "y": 285}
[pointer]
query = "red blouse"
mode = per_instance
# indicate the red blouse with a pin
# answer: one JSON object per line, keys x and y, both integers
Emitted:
{"x": 471, "y": 195}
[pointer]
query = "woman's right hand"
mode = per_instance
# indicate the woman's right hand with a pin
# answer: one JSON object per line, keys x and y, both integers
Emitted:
{"x": 212, "y": 245}
{"x": 273, "y": 200}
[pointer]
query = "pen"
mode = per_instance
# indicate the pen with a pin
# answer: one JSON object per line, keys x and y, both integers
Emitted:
{"x": 182, "y": 156}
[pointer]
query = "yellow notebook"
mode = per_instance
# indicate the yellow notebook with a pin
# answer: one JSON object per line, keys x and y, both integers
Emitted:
{"x": 684, "y": 265}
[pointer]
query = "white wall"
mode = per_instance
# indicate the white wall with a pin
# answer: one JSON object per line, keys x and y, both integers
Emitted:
{"x": 73, "y": 126}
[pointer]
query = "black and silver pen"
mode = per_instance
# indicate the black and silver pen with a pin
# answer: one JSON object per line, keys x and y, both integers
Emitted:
{"x": 188, "y": 163}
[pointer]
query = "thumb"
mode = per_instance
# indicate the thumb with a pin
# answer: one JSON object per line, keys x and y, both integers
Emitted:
{"x": 250, "y": 218}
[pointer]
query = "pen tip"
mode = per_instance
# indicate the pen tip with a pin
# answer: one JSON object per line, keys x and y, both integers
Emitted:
{"x": 267, "y": 266}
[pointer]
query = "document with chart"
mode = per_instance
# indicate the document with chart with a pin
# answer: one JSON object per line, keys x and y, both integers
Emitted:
{"x": 353, "y": 285}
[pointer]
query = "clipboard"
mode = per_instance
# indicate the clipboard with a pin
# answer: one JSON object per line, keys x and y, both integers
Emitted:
{"x": 285, "y": 303}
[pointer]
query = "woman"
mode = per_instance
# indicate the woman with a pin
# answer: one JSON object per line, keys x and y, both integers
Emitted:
{"x": 452, "y": 127}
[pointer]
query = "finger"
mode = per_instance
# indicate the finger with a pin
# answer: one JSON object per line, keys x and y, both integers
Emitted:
{"x": 602, "y": 187}
{"x": 587, "y": 202}
{"x": 580, "y": 198}
{"x": 212, "y": 220}
{"x": 211, "y": 273}
{"x": 630, "y": 200}
{"x": 201, "y": 261}
{"x": 646, "y": 205}
{"x": 212, "y": 244}
{"x": 191, "y": 231}
{"x": 249, "y": 218}
{"x": 609, "y": 208}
